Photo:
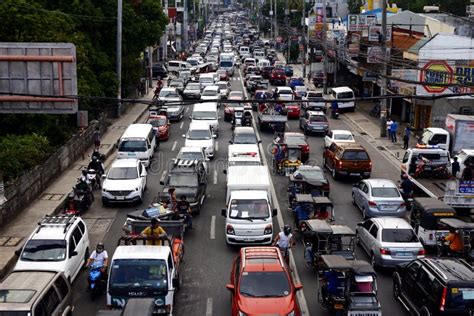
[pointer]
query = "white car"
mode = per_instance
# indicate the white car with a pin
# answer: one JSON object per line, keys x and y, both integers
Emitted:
{"x": 125, "y": 181}
{"x": 200, "y": 134}
{"x": 338, "y": 136}
{"x": 224, "y": 87}
{"x": 211, "y": 93}
{"x": 285, "y": 93}
{"x": 193, "y": 153}
{"x": 60, "y": 243}
{"x": 169, "y": 95}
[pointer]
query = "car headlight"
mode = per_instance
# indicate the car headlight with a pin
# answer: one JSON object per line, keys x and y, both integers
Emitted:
{"x": 209, "y": 148}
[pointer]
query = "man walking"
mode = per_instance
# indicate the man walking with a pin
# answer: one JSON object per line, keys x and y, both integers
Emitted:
{"x": 393, "y": 131}
{"x": 406, "y": 137}
{"x": 389, "y": 125}
{"x": 455, "y": 167}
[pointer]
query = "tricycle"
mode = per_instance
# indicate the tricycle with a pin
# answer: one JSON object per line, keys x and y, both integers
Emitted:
{"x": 306, "y": 206}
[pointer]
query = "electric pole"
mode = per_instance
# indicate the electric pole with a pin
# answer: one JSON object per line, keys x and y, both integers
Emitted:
{"x": 287, "y": 18}
{"x": 383, "y": 90}
{"x": 119, "y": 57}
{"x": 325, "y": 53}
{"x": 303, "y": 24}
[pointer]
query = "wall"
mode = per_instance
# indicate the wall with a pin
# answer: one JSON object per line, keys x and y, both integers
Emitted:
{"x": 21, "y": 192}
{"x": 440, "y": 108}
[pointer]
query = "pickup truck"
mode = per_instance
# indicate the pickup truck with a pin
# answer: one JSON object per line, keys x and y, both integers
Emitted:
{"x": 147, "y": 271}
{"x": 268, "y": 118}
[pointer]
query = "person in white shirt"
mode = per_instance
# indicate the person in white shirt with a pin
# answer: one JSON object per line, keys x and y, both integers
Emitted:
{"x": 389, "y": 125}
{"x": 284, "y": 241}
{"x": 99, "y": 257}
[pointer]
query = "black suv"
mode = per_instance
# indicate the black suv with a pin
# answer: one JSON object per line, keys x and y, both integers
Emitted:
{"x": 159, "y": 71}
{"x": 189, "y": 178}
{"x": 435, "y": 286}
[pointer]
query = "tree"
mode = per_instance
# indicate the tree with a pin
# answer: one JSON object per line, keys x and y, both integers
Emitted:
{"x": 354, "y": 6}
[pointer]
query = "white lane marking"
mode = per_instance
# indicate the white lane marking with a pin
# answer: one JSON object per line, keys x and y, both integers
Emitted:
{"x": 213, "y": 230}
{"x": 181, "y": 125}
{"x": 209, "y": 307}
{"x": 217, "y": 146}
{"x": 174, "y": 145}
{"x": 215, "y": 176}
{"x": 301, "y": 298}
{"x": 186, "y": 110}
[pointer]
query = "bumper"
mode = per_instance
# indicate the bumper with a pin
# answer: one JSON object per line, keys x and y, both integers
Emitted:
{"x": 375, "y": 212}
{"x": 295, "y": 113}
{"x": 316, "y": 129}
{"x": 388, "y": 261}
{"x": 354, "y": 173}
{"x": 131, "y": 198}
{"x": 248, "y": 240}
{"x": 192, "y": 96}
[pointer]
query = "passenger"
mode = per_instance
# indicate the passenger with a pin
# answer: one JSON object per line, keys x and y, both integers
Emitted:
{"x": 153, "y": 233}
{"x": 454, "y": 240}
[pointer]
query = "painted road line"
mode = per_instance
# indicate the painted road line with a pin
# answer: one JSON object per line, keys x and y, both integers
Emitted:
{"x": 217, "y": 146}
{"x": 174, "y": 145}
{"x": 215, "y": 176}
{"x": 212, "y": 234}
{"x": 181, "y": 125}
{"x": 209, "y": 307}
{"x": 301, "y": 298}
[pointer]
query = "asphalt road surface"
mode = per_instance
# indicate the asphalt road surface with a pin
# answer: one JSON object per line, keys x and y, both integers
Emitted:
{"x": 207, "y": 259}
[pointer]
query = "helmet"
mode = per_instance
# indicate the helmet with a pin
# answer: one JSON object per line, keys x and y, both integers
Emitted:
{"x": 94, "y": 159}
{"x": 70, "y": 196}
{"x": 100, "y": 247}
{"x": 287, "y": 230}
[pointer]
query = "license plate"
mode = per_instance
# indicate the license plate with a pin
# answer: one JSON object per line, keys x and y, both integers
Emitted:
{"x": 338, "y": 306}
{"x": 120, "y": 198}
{"x": 404, "y": 254}
{"x": 131, "y": 154}
{"x": 290, "y": 111}
{"x": 354, "y": 174}
{"x": 384, "y": 206}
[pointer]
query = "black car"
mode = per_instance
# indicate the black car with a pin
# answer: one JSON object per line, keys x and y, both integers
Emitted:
{"x": 435, "y": 286}
{"x": 189, "y": 178}
{"x": 159, "y": 71}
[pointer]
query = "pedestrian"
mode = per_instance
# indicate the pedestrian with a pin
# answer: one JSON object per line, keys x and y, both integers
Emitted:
{"x": 455, "y": 167}
{"x": 406, "y": 137}
{"x": 96, "y": 137}
{"x": 393, "y": 131}
{"x": 467, "y": 172}
{"x": 184, "y": 209}
{"x": 389, "y": 124}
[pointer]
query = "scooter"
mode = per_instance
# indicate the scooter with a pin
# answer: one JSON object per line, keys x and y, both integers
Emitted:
{"x": 96, "y": 282}
{"x": 335, "y": 114}
{"x": 93, "y": 178}
{"x": 83, "y": 196}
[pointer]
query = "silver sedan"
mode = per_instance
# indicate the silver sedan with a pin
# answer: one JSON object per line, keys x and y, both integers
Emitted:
{"x": 389, "y": 241}
{"x": 378, "y": 197}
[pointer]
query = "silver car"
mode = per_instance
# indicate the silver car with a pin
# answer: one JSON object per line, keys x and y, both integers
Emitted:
{"x": 389, "y": 241}
{"x": 378, "y": 197}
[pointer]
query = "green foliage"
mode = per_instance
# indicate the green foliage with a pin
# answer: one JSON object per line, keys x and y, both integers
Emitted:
{"x": 354, "y": 6}
{"x": 457, "y": 7}
{"x": 19, "y": 153}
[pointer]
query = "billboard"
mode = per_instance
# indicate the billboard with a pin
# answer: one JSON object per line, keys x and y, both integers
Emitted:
{"x": 38, "y": 78}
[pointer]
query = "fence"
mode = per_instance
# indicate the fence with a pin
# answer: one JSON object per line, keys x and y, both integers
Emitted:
{"x": 24, "y": 190}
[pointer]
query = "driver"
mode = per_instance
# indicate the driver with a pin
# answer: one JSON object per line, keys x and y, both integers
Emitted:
{"x": 454, "y": 240}
{"x": 100, "y": 258}
{"x": 406, "y": 186}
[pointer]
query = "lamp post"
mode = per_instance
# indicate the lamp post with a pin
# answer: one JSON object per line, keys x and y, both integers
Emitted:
{"x": 119, "y": 57}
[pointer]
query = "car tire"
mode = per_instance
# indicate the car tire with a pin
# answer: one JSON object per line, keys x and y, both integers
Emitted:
{"x": 305, "y": 131}
{"x": 105, "y": 203}
{"x": 373, "y": 261}
{"x": 353, "y": 200}
{"x": 424, "y": 311}
{"x": 357, "y": 239}
{"x": 364, "y": 214}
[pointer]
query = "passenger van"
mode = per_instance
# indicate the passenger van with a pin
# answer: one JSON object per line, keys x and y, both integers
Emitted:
{"x": 139, "y": 142}
{"x": 207, "y": 112}
{"x": 244, "y": 50}
{"x": 263, "y": 63}
{"x": 344, "y": 93}
{"x": 207, "y": 79}
{"x": 177, "y": 65}
{"x": 35, "y": 293}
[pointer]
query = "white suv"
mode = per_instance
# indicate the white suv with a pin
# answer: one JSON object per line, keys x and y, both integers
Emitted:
{"x": 59, "y": 243}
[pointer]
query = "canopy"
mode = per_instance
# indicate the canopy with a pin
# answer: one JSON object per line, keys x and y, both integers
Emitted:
{"x": 318, "y": 226}
{"x": 304, "y": 198}
{"x": 456, "y": 223}
{"x": 322, "y": 200}
{"x": 361, "y": 267}
{"x": 431, "y": 205}
{"x": 336, "y": 262}
{"x": 342, "y": 230}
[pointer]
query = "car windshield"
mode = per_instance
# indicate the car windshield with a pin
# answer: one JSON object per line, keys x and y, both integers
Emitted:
{"x": 16, "y": 296}
{"x": 264, "y": 284}
{"x": 249, "y": 209}
{"x": 222, "y": 86}
{"x": 385, "y": 192}
{"x": 355, "y": 155}
{"x": 139, "y": 274}
{"x": 168, "y": 94}
{"x": 461, "y": 298}
{"x": 123, "y": 173}
{"x": 133, "y": 145}
{"x": 183, "y": 180}
{"x": 296, "y": 140}
{"x": 317, "y": 118}
{"x": 399, "y": 235}
{"x": 245, "y": 139}
{"x": 204, "y": 115}
{"x": 343, "y": 137}
{"x": 226, "y": 64}
{"x": 193, "y": 62}
{"x": 199, "y": 134}
{"x": 157, "y": 122}
{"x": 191, "y": 156}
{"x": 236, "y": 95}
{"x": 44, "y": 250}
{"x": 311, "y": 173}
{"x": 193, "y": 86}
{"x": 206, "y": 80}
{"x": 345, "y": 95}
{"x": 209, "y": 92}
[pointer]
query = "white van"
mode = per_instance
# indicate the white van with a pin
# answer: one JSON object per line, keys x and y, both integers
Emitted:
{"x": 139, "y": 142}
{"x": 259, "y": 55}
{"x": 263, "y": 63}
{"x": 207, "y": 112}
{"x": 248, "y": 213}
{"x": 207, "y": 79}
{"x": 243, "y": 155}
{"x": 200, "y": 134}
{"x": 244, "y": 50}
{"x": 178, "y": 65}
{"x": 344, "y": 93}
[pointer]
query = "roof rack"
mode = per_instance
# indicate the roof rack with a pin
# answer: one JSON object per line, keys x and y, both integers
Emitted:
{"x": 56, "y": 221}
{"x": 185, "y": 162}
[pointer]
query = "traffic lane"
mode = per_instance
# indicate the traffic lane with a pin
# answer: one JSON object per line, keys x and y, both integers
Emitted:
{"x": 117, "y": 216}
{"x": 346, "y": 213}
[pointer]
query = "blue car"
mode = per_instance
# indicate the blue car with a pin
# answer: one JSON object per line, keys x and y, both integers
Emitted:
{"x": 294, "y": 82}
{"x": 288, "y": 71}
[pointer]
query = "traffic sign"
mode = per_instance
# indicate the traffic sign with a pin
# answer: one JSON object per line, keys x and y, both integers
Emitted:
{"x": 436, "y": 71}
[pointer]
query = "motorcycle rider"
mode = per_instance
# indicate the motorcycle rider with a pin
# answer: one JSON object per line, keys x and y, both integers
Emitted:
{"x": 99, "y": 257}
{"x": 334, "y": 109}
{"x": 406, "y": 186}
{"x": 71, "y": 205}
{"x": 284, "y": 241}
{"x": 96, "y": 165}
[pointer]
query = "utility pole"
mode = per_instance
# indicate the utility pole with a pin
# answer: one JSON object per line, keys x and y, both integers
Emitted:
{"x": 119, "y": 57}
{"x": 271, "y": 19}
{"x": 383, "y": 90}
{"x": 150, "y": 66}
{"x": 185, "y": 29}
{"x": 287, "y": 18}
{"x": 303, "y": 24}
{"x": 325, "y": 53}
{"x": 275, "y": 15}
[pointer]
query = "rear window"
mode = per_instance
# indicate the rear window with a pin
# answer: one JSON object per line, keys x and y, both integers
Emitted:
{"x": 461, "y": 298}
{"x": 399, "y": 235}
{"x": 355, "y": 155}
{"x": 385, "y": 192}
{"x": 345, "y": 95}
{"x": 16, "y": 296}
{"x": 318, "y": 118}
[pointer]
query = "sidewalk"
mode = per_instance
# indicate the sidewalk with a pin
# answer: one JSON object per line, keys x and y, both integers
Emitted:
{"x": 14, "y": 234}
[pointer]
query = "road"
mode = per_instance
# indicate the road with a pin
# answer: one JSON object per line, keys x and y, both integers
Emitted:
{"x": 207, "y": 258}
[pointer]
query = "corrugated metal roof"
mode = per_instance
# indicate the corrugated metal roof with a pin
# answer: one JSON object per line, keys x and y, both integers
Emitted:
{"x": 403, "y": 41}
{"x": 416, "y": 47}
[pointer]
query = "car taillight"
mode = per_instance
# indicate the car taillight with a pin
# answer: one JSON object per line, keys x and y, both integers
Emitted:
{"x": 268, "y": 230}
{"x": 443, "y": 299}
{"x": 421, "y": 252}
{"x": 384, "y": 251}
{"x": 230, "y": 230}
{"x": 370, "y": 164}
{"x": 339, "y": 164}
{"x": 168, "y": 308}
{"x": 372, "y": 203}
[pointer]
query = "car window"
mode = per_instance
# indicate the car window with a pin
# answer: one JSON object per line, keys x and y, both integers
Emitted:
{"x": 365, "y": 188}
{"x": 330, "y": 134}
{"x": 425, "y": 281}
{"x": 373, "y": 231}
{"x": 406, "y": 156}
{"x": 48, "y": 303}
{"x": 81, "y": 226}
{"x": 170, "y": 261}
{"x": 399, "y": 235}
{"x": 361, "y": 185}
{"x": 72, "y": 245}
{"x": 332, "y": 147}
{"x": 413, "y": 268}
{"x": 385, "y": 192}
{"x": 61, "y": 285}
{"x": 77, "y": 235}
{"x": 237, "y": 271}
{"x": 367, "y": 224}
{"x": 355, "y": 155}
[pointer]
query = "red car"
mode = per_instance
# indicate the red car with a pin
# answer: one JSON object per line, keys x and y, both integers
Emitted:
{"x": 161, "y": 126}
{"x": 223, "y": 75}
{"x": 261, "y": 284}
{"x": 229, "y": 108}
{"x": 298, "y": 139}
{"x": 278, "y": 77}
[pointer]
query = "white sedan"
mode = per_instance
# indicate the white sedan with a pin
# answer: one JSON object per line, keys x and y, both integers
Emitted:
{"x": 338, "y": 136}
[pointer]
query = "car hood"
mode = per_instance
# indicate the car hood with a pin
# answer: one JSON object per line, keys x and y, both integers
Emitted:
{"x": 121, "y": 185}
{"x": 169, "y": 99}
{"x": 209, "y": 97}
{"x": 172, "y": 109}
{"x": 198, "y": 143}
{"x": 266, "y": 306}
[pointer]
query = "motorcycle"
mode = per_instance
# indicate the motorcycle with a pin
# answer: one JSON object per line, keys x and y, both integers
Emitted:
{"x": 335, "y": 114}
{"x": 83, "y": 196}
{"x": 93, "y": 178}
{"x": 96, "y": 282}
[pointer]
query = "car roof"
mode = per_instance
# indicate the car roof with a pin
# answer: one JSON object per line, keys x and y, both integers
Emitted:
{"x": 213, "y": 87}
{"x": 351, "y": 146}
{"x": 126, "y": 162}
{"x": 54, "y": 227}
{"x": 451, "y": 269}
{"x": 141, "y": 252}
{"x": 377, "y": 183}
{"x": 341, "y": 131}
{"x": 190, "y": 149}
{"x": 198, "y": 125}
{"x": 168, "y": 89}
{"x": 284, "y": 88}
{"x": 244, "y": 130}
{"x": 316, "y": 113}
{"x": 255, "y": 259}
{"x": 387, "y": 222}
{"x": 205, "y": 106}
{"x": 469, "y": 152}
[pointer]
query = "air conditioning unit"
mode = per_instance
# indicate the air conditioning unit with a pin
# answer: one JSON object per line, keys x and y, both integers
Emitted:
{"x": 466, "y": 110}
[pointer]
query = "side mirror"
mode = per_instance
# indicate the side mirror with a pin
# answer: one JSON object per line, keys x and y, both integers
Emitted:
{"x": 274, "y": 212}
{"x": 103, "y": 176}
{"x": 224, "y": 212}
{"x": 73, "y": 254}
{"x": 18, "y": 252}
{"x": 214, "y": 136}
{"x": 190, "y": 118}
{"x": 230, "y": 287}
{"x": 231, "y": 142}
{"x": 298, "y": 287}
{"x": 162, "y": 182}
{"x": 224, "y": 171}
{"x": 259, "y": 141}
{"x": 359, "y": 224}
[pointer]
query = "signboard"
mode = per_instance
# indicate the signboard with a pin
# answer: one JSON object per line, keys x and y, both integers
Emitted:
{"x": 406, "y": 74}
{"x": 362, "y": 21}
{"x": 466, "y": 187}
{"x": 369, "y": 76}
{"x": 279, "y": 39}
{"x": 374, "y": 54}
{"x": 38, "y": 78}
{"x": 371, "y": 19}
{"x": 376, "y": 30}
{"x": 353, "y": 22}
{"x": 437, "y": 72}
